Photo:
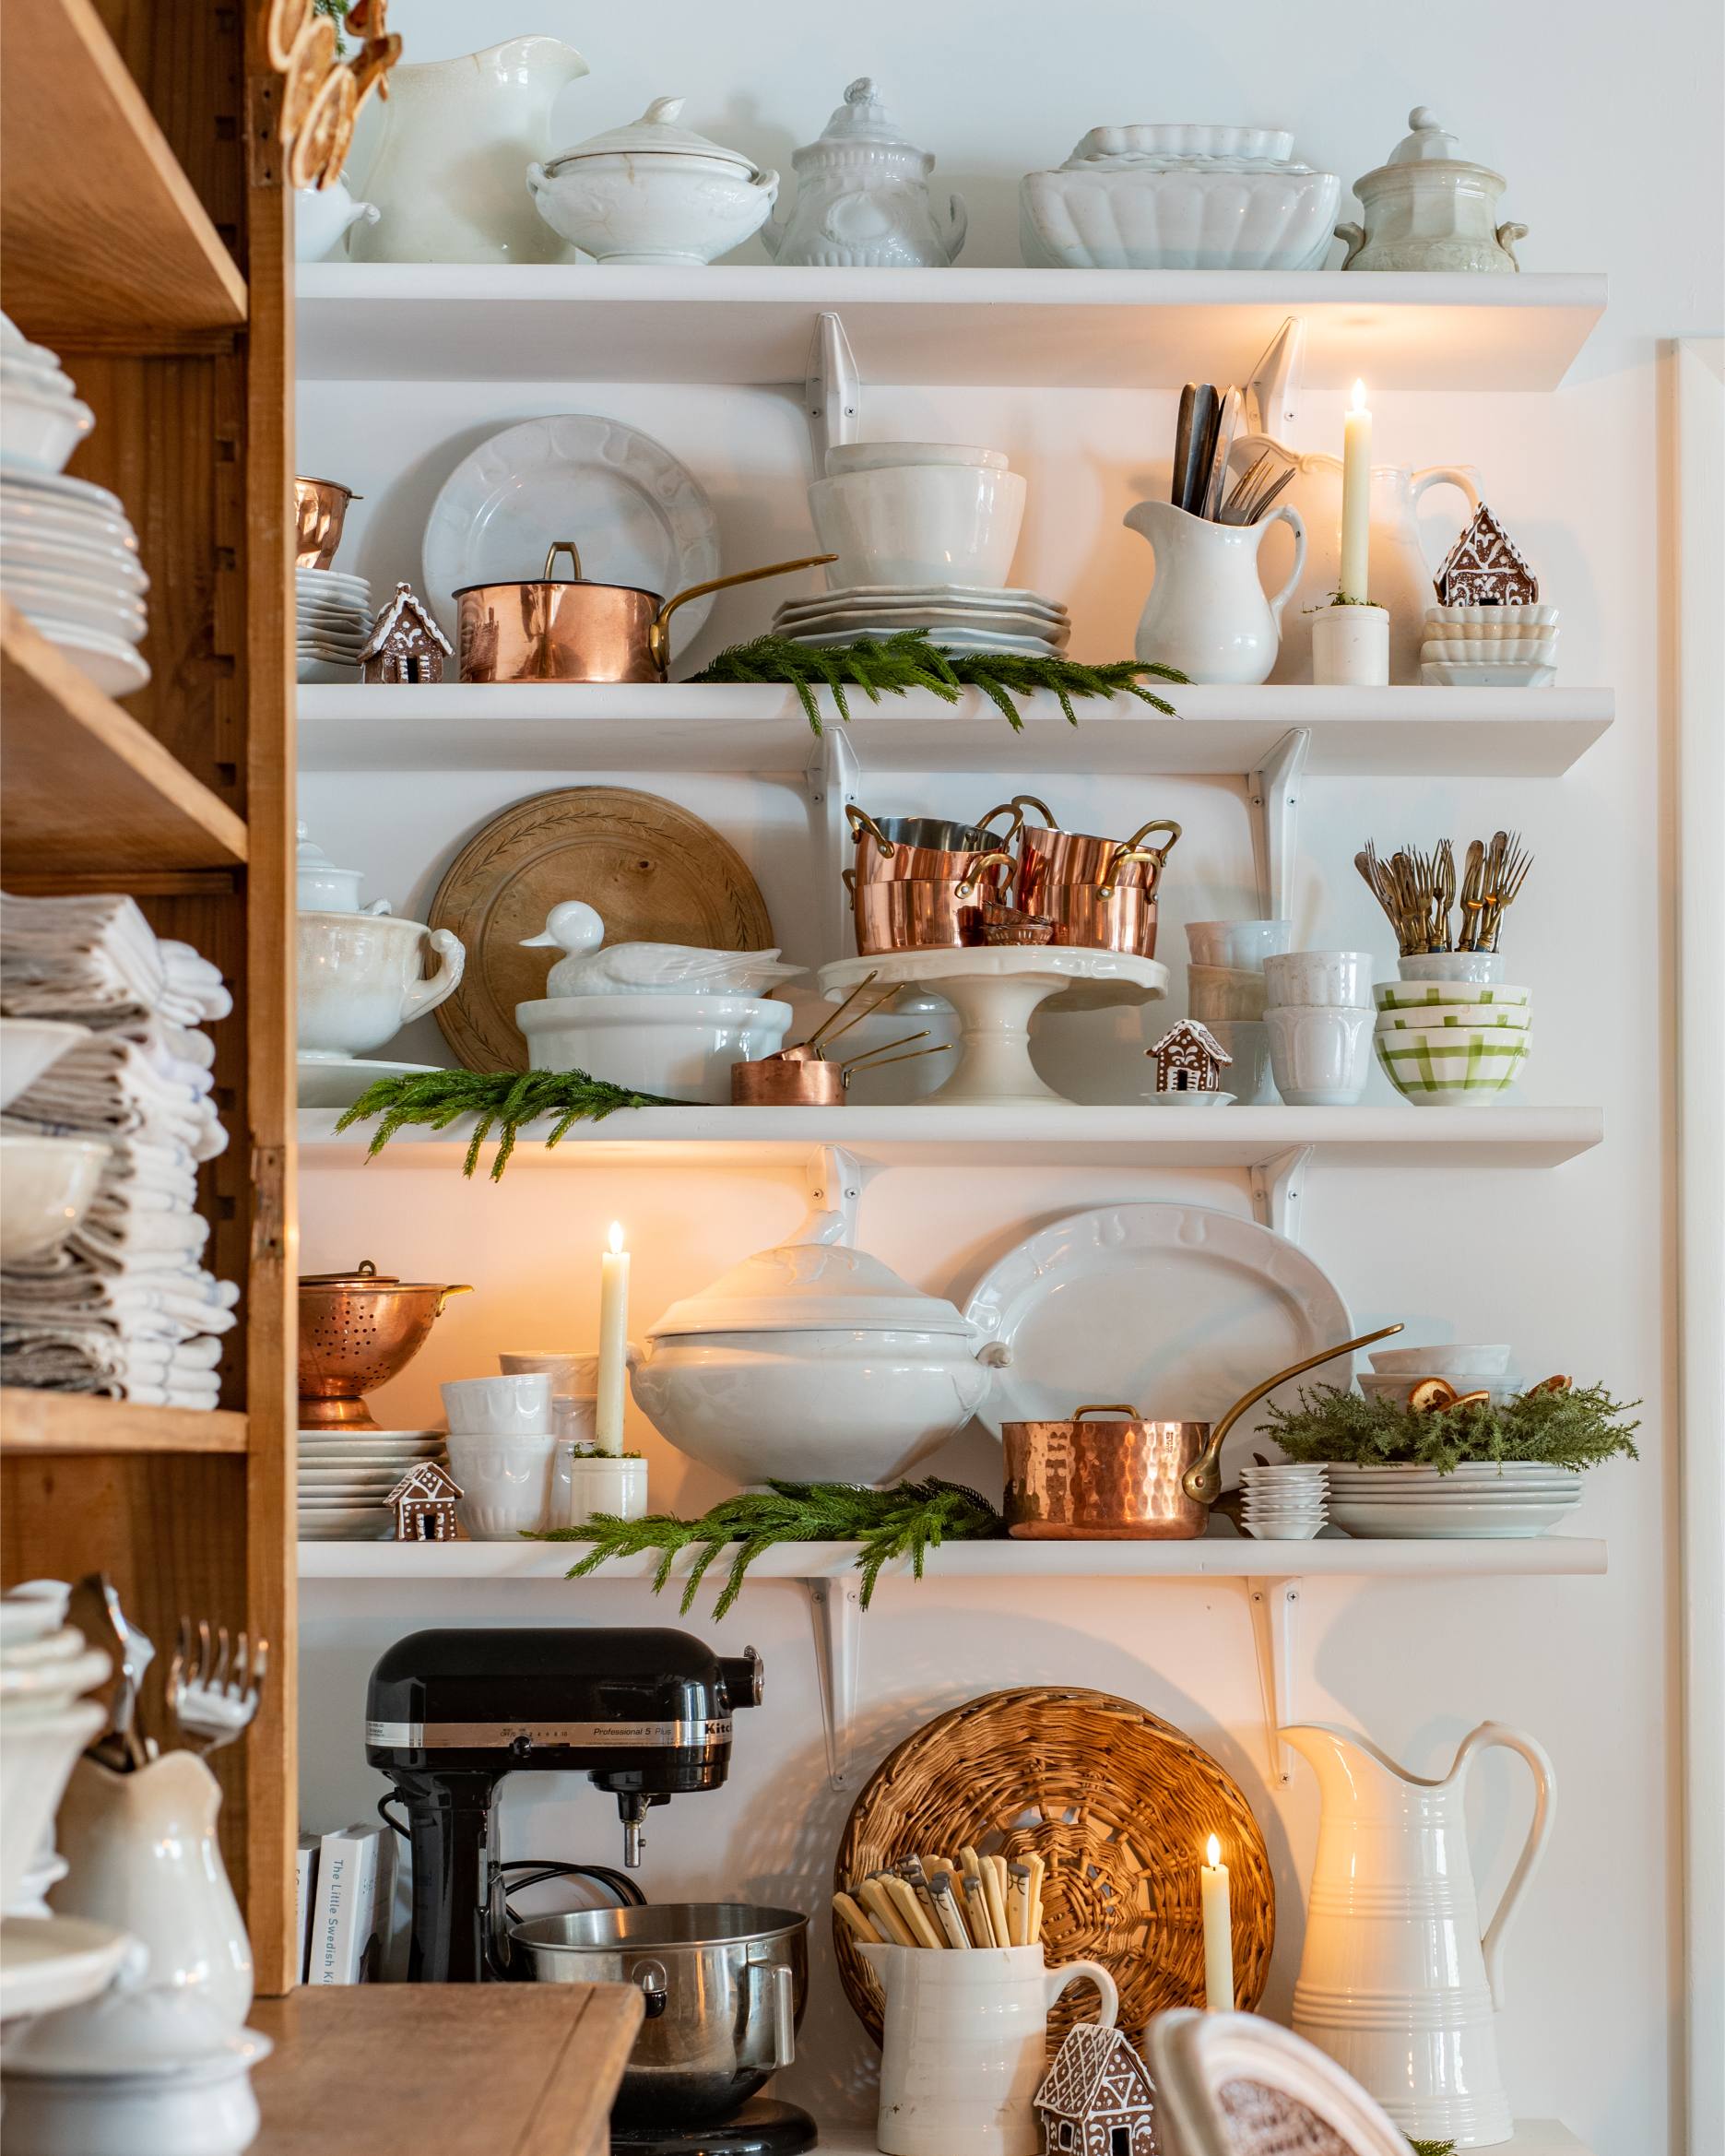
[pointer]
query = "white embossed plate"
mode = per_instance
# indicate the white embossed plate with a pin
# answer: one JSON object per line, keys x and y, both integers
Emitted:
{"x": 1177, "y": 1309}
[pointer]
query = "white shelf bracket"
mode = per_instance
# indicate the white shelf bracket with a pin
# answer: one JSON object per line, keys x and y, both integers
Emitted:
{"x": 836, "y": 1179}
{"x": 835, "y": 1606}
{"x": 1273, "y": 797}
{"x": 1278, "y": 1184}
{"x": 832, "y": 396}
{"x": 1275, "y": 1608}
{"x": 833, "y": 778}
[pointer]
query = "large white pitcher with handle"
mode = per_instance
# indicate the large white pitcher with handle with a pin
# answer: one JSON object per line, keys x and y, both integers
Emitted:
{"x": 1208, "y": 613}
{"x": 1398, "y": 1983}
{"x": 966, "y": 2046}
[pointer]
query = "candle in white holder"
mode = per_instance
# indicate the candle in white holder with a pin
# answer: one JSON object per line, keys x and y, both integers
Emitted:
{"x": 1217, "y": 1934}
{"x": 1356, "y": 499}
{"x": 613, "y": 1342}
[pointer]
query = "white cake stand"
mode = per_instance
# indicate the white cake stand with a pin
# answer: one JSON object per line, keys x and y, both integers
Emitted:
{"x": 995, "y": 992}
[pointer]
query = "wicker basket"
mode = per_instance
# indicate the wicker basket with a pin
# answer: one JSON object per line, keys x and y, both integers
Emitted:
{"x": 1119, "y": 1804}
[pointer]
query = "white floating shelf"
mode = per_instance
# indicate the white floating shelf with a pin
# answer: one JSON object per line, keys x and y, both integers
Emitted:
{"x": 569, "y": 727}
{"x": 1532, "y": 2137}
{"x": 1051, "y": 329}
{"x": 1055, "y": 1134}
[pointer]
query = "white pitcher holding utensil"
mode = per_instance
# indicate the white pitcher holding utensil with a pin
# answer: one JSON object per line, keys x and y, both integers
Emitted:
{"x": 1208, "y": 613}
{"x": 965, "y": 2043}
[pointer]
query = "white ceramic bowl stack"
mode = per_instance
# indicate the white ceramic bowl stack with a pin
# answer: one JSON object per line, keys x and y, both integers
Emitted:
{"x": 1285, "y": 1502}
{"x": 1470, "y": 1367}
{"x": 1452, "y": 1043}
{"x": 1318, "y": 1010}
{"x": 1225, "y": 995}
{"x": 502, "y": 1449}
{"x": 68, "y": 555}
{"x": 1489, "y": 648}
{"x": 345, "y": 1476}
{"x": 333, "y": 622}
{"x": 923, "y": 533}
{"x": 46, "y": 1666}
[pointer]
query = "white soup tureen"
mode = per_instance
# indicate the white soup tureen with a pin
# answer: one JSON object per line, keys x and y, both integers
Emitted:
{"x": 653, "y": 192}
{"x": 862, "y": 197}
{"x": 1429, "y": 209}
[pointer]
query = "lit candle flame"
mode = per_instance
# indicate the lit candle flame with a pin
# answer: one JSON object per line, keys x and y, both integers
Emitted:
{"x": 1213, "y": 1849}
{"x": 1359, "y": 396}
{"x": 616, "y": 1235}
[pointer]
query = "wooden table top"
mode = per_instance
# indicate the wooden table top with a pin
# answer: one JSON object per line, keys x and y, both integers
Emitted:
{"x": 457, "y": 2069}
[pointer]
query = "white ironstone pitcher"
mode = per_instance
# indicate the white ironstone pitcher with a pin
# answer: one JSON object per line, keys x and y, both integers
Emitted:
{"x": 1208, "y": 614}
{"x": 1398, "y": 1983}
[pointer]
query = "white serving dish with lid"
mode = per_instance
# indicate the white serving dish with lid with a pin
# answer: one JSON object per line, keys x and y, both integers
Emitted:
{"x": 1426, "y": 208}
{"x": 863, "y": 199}
{"x": 653, "y": 192}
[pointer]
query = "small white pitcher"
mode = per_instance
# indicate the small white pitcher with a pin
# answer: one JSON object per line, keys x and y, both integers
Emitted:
{"x": 966, "y": 2046}
{"x": 1208, "y": 613}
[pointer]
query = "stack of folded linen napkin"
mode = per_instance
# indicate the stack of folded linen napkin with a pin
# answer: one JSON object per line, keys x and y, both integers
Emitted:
{"x": 125, "y": 1307}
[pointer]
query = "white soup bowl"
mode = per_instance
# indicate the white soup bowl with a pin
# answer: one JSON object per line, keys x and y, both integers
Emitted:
{"x": 919, "y": 524}
{"x": 680, "y": 1047}
{"x": 46, "y": 1186}
{"x": 27, "y": 1047}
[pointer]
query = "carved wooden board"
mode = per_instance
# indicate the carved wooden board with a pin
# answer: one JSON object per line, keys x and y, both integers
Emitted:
{"x": 654, "y": 873}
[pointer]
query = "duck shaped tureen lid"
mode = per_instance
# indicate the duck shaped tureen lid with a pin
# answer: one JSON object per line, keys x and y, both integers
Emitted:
{"x": 815, "y": 1283}
{"x": 861, "y": 122}
{"x": 593, "y": 967}
{"x": 655, "y": 134}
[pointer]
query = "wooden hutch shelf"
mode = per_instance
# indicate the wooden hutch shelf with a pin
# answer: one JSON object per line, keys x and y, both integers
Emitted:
{"x": 82, "y": 1423}
{"x": 84, "y": 786}
{"x": 105, "y": 243}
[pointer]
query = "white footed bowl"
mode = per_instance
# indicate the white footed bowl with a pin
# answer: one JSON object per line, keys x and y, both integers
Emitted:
{"x": 677, "y": 1046}
{"x": 919, "y": 524}
{"x": 518, "y": 1405}
{"x": 46, "y": 1186}
{"x": 1242, "y": 946}
{"x": 505, "y": 1484}
{"x": 1466, "y": 1360}
{"x": 1320, "y": 1054}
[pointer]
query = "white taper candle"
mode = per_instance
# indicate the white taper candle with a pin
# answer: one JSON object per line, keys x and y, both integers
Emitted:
{"x": 1217, "y": 1934}
{"x": 613, "y": 1344}
{"x": 1356, "y": 499}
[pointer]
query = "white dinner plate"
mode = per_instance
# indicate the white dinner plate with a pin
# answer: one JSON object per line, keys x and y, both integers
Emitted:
{"x": 114, "y": 667}
{"x": 636, "y": 514}
{"x": 54, "y": 486}
{"x": 73, "y": 523}
{"x": 947, "y": 639}
{"x": 1443, "y": 1523}
{"x": 310, "y": 580}
{"x": 990, "y": 594}
{"x": 109, "y": 615}
{"x": 1179, "y": 1309}
{"x": 340, "y": 1082}
{"x": 108, "y": 568}
{"x": 844, "y": 603}
{"x": 941, "y": 618}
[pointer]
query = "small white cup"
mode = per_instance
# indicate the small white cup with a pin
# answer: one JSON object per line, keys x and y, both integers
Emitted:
{"x": 1243, "y": 945}
{"x": 572, "y": 1375}
{"x": 505, "y": 1484}
{"x": 1351, "y": 646}
{"x": 575, "y": 1421}
{"x": 499, "y": 1408}
{"x": 1321, "y": 1055}
{"x": 1340, "y": 980}
{"x": 1247, "y": 1041}
{"x": 1474, "y": 965}
{"x": 585, "y": 1485}
{"x": 1223, "y": 991}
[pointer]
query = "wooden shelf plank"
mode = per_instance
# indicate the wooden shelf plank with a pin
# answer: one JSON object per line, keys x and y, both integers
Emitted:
{"x": 680, "y": 726}
{"x": 1052, "y": 329}
{"x": 104, "y": 239}
{"x": 85, "y": 1423}
{"x": 84, "y": 787}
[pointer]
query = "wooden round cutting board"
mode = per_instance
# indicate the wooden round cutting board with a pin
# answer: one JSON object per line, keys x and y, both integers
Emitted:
{"x": 654, "y": 873}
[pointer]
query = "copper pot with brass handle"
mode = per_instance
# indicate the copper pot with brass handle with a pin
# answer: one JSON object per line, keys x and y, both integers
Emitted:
{"x": 1049, "y": 857}
{"x": 569, "y": 629}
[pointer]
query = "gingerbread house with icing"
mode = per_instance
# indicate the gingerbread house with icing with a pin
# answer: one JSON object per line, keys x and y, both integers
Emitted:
{"x": 1098, "y": 2098}
{"x": 1484, "y": 569}
{"x": 1189, "y": 1059}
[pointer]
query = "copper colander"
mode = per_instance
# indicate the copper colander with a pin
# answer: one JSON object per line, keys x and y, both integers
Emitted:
{"x": 357, "y": 1331}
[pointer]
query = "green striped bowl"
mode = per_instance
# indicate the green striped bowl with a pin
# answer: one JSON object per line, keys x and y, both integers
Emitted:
{"x": 1451, "y": 1069}
{"x": 1413, "y": 995}
{"x": 1451, "y": 1017}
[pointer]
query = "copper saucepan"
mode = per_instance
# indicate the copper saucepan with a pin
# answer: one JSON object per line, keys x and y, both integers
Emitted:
{"x": 904, "y": 850}
{"x": 568, "y": 629}
{"x": 1115, "y": 914}
{"x": 929, "y": 914}
{"x": 1128, "y": 1478}
{"x": 1049, "y": 857}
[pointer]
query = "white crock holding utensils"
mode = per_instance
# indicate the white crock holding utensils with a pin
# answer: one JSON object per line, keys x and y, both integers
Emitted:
{"x": 1398, "y": 1982}
{"x": 1208, "y": 613}
{"x": 964, "y": 2047}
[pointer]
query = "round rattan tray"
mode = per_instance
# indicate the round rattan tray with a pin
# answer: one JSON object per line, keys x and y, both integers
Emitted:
{"x": 1119, "y": 1805}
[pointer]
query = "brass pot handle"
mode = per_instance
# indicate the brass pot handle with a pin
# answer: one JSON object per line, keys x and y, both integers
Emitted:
{"x": 1123, "y": 855}
{"x": 461, "y": 1287}
{"x": 1202, "y": 1480}
{"x": 658, "y": 632}
{"x": 1123, "y": 1407}
{"x": 848, "y": 878}
{"x": 1014, "y": 828}
{"x": 860, "y": 821}
{"x": 562, "y": 547}
{"x": 973, "y": 875}
{"x": 1158, "y": 823}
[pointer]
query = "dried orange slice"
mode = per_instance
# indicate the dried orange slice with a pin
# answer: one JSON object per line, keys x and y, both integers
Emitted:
{"x": 1431, "y": 1393}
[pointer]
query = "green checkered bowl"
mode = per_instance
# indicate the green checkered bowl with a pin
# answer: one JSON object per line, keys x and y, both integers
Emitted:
{"x": 1438, "y": 1068}
{"x": 1414, "y": 995}
{"x": 1458, "y": 1017}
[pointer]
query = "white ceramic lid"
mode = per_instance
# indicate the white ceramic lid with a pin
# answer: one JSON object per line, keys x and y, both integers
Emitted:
{"x": 126, "y": 2033}
{"x": 1162, "y": 145}
{"x": 812, "y": 1283}
{"x": 1428, "y": 143}
{"x": 655, "y": 134}
{"x": 862, "y": 118}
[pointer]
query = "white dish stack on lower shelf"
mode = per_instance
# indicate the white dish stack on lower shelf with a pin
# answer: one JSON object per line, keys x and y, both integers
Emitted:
{"x": 345, "y": 1476}
{"x": 332, "y": 624}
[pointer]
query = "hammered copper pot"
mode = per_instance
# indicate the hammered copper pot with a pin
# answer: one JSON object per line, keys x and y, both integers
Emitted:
{"x": 357, "y": 1331}
{"x": 319, "y": 507}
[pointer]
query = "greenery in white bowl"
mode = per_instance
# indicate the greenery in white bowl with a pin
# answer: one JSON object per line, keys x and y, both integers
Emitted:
{"x": 1576, "y": 1427}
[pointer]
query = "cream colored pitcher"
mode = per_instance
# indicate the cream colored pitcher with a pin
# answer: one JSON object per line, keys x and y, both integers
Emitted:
{"x": 1397, "y": 1981}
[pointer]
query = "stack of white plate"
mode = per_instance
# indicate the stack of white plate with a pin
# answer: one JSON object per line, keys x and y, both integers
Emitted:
{"x": 958, "y": 617}
{"x": 345, "y": 1476}
{"x": 41, "y": 422}
{"x": 334, "y": 620}
{"x": 1285, "y": 1503}
{"x": 1489, "y": 648}
{"x": 68, "y": 562}
{"x": 45, "y": 1667}
{"x": 1479, "y": 1499}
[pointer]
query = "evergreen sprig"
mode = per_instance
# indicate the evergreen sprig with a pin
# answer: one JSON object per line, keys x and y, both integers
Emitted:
{"x": 1433, "y": 2147}
{"x": 912, "y": 660}
{"x": 1577, "y": 1429}
{"x": 909, "y": 1520}
{"x": 507, "y": 1100}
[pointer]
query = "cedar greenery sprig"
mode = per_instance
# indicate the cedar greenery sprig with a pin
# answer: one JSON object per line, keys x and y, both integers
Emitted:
{"x": 1577, "y": 1429}
{"x": 507, "y": 1100}
{"x": 1433, "y": 2147}
{"x": 908, "y": 1520}
{"x": 911, "y": 660}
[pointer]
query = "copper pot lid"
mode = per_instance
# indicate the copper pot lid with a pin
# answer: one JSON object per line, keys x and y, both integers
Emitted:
{"x": 574, "y": 578}
{"x": 365, "y": 1274}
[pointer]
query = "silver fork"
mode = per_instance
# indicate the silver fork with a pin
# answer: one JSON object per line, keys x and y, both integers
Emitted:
{"x": 213, "y": 1689}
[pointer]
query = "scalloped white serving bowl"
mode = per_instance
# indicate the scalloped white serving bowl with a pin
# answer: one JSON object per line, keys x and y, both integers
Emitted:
{"x": 1465, "y": 620}
{"x": 1534, "y": 650}
{"x": 1127, "y": 217}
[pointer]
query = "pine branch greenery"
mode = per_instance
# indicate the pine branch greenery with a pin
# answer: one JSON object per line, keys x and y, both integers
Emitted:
{"x": 908, "y": 1520}
{"x": 1433, "y": 2147}
{"x": 911, "y": 660}
{"x": 1577, "y": 1429}
{"x": 507, "y": 1100}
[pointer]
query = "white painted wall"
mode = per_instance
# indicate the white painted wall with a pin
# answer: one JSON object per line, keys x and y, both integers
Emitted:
{"x": 1573, "y": 1266}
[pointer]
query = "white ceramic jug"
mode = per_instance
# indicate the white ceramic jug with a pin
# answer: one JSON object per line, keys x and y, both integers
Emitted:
{"x": 361, "y": 979}
{"x": 965, "y": 2049}
{"x": 1208, "y": 613}
{"x": 448, "y": 160}
{"x": 1397, "y": 1981}
{"x": 320, "y": 217}
{"x": 1400, "y": 573}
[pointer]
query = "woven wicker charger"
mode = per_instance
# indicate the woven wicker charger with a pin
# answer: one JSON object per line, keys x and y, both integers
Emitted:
{"x": 1119, "y": 1805}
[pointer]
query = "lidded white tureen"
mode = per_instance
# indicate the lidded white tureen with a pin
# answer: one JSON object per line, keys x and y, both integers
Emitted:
{"x": 325, "y": 888}
{"x": 1428, "y": 209}
{"x": 653, "y": 192}
{"x": 811, "y": 1362}
{"x": 862, "y": 196}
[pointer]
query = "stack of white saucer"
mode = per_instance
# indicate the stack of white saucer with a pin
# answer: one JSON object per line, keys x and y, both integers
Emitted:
{"x": 346, "y": 1476}
{"x": 334, "y": 622}
{"x": 1285, "y": 1503}
{"x": 1489, "y": 648}
{"x": 958, "y": 617}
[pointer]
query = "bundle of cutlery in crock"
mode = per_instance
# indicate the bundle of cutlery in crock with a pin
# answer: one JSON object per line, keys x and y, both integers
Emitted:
{"x": 923, "y": 883}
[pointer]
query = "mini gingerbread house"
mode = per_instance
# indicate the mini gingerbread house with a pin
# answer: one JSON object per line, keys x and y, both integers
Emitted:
{"x": 1098, "y": 2099}
{"x": 1189, "y": 1059}
{"x": 1483, "y": 569}
{"x": 406, "y": 644}
{"x": 424, "y": 1500}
